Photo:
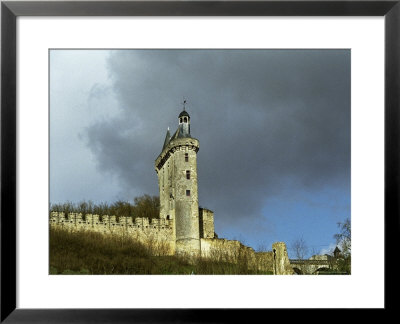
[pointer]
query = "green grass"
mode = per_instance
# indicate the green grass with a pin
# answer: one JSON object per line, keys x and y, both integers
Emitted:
{"x": 85, "y": 253}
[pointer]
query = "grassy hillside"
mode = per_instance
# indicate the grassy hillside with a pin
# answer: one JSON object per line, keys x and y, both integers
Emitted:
{"x": 93, "y": 253}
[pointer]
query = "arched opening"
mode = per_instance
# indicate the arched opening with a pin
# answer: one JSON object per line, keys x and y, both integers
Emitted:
{"x": 168, "y": 217}
{"x": 180, "y": 120}
{"x": 322, "y": 271}
{"x": 185, "y": 119}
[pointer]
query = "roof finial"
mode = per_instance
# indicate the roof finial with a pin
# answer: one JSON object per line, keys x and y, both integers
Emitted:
{"x": 184, "y": 104}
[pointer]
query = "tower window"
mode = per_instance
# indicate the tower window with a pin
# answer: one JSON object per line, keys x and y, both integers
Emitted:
{"x": 186, "y": 157}
{"x": 188, "y": 193}
{"x": 188, "y": 174}
{"x": 185, "y": 119}
{"x": 180, "y": 120}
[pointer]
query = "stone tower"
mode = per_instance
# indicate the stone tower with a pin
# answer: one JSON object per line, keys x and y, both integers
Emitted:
{"x": 176, "y": 168}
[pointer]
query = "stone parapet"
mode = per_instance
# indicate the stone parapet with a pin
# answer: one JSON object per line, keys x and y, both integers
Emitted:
{"x": 110, "y": 223}
{"x": 176, "y": 145}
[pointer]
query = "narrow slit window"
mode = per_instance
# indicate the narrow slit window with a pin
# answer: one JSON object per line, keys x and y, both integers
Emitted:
{"x": 188, "y": 174}
{"x": 188, "y": 193}
{"x": 186, "y": 157}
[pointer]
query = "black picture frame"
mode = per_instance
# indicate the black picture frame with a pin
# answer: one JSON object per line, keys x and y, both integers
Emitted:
{"x": 10, "y": 10}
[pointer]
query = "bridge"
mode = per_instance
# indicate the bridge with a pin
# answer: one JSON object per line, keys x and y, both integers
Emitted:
{"x": 311, "y": 266}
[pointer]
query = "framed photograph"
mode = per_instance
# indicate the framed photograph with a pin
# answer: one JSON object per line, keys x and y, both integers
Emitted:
{"x": 160, "y": 159}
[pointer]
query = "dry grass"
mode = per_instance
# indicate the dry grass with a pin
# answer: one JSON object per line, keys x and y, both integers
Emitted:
{"x": 94, "y": 253}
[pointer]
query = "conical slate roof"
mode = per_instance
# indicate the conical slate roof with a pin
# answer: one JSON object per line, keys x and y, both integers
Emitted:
{"x": 167, "y": 139}
{"x": 179, "y": 133}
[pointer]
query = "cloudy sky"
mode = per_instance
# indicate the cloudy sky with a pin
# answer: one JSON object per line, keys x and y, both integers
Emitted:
{"x": 273, "y": 126}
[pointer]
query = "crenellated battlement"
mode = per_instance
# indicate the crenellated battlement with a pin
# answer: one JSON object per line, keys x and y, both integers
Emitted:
{"x": 155, "y": 233}
{"x": 77, "y": 219}
{"x": 159, "y": 236}
{"x": 157, "y": 228}
{"x": 177, "y": 144}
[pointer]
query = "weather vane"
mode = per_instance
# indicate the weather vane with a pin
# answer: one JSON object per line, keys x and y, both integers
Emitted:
{"x": 184, "y": 103}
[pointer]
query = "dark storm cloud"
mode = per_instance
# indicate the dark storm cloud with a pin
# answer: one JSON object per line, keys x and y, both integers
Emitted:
{"x": 269, "y": 122}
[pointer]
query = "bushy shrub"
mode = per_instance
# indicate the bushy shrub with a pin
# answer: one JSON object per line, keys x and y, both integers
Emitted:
{"x": 143, "y": 206}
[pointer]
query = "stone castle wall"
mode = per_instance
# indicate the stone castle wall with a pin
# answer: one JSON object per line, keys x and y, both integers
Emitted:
{"x": 206, "y": 218}
{"x": 281, "y": 259}
{"x": 138, "y": 227}
{"x": 157, "y": 233}
{"x": 235, "y": 252}
{"x": 225, "y": 250}
{"x": 265, "y": 261}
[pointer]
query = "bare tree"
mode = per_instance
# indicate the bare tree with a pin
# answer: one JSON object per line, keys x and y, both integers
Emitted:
{"x": 299, "y": 248}
{"x": 147, "y": 206}
{"x": 263, "y": 247}
{"x": 144, "y": 206}
{"x": 344, "y": 237}
{"x": 314, "y": 251}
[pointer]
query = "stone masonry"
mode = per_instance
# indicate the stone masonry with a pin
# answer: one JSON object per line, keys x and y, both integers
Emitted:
{"x": 158, "y": 232}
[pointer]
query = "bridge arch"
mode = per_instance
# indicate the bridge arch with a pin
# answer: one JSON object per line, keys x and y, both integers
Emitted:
{"x": 321, "y": 269}
{"x": 297, "y": 271}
